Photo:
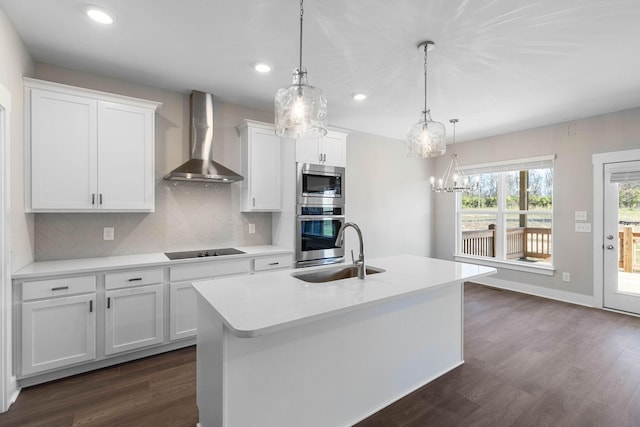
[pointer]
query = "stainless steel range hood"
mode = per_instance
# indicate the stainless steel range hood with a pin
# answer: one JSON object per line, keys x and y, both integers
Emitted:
{"x": 200, "y": 166}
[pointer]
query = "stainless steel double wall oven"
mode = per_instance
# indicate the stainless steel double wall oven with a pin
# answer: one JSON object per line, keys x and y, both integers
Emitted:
{"x": 320, "y": 214}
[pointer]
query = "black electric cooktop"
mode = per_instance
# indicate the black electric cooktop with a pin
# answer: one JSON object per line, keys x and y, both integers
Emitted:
{"x": 203, "y": 253}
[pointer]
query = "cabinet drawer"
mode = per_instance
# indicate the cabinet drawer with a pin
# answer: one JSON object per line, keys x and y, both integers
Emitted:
{"x": 128, "y": 279}
{"x": 272, "y": 262}
{"x": 203, "y": 270}
{"x": 58, "y": 287}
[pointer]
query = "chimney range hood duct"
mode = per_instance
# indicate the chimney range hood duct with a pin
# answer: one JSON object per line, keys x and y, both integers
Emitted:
{"x": 200, "y": 167}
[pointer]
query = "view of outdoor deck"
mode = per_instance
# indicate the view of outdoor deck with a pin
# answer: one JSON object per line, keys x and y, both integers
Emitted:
{"x": 524, "y": 243}
{"x": 628, "y": 259}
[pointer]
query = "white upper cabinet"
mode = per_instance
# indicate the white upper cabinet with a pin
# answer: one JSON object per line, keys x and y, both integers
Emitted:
{"x": 330, "y": 150}
{"x": 89, "y": 151}
{"x": 261, "y": 155}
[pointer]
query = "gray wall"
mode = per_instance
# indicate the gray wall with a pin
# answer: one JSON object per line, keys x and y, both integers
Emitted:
{"x": 573, "y": 143}
{"x": 188, "y": 215}
{"x": 388, "y": 197}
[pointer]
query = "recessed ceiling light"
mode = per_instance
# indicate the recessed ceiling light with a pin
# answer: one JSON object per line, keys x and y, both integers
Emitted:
{"x": 261, "y": 67}
{"x": 359, "y": 96}
{"x": 100, "y": 16}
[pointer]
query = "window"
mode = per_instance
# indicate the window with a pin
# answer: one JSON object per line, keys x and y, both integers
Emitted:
{"x": 509, "y": 217}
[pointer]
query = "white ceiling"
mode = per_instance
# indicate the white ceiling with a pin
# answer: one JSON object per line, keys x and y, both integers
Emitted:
{"x": 498, "y": 65}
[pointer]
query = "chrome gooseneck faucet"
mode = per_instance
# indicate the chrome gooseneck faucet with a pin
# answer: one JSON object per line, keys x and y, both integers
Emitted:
{"x": 340, "y": 241}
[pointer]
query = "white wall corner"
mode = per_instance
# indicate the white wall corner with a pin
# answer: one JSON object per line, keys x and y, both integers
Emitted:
{"x": 12, "y": 391}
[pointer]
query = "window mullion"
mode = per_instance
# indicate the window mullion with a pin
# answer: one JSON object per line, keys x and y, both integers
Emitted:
{"x": 501, "y": 219}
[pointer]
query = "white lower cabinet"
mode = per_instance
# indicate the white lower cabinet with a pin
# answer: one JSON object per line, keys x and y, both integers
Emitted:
{"x": 58, "y": 332}
{"x": 183, "y": 318}
{"x": 133, "y": 318}
{"x": 67, "y": 325}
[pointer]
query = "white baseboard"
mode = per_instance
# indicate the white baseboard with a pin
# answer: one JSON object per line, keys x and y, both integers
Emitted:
{"x": 555, "y": 294}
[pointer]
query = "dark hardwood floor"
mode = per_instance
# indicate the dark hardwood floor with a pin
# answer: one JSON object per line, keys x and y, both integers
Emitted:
{"x": 156, "y": 391}
{"x": 529, "y": 362}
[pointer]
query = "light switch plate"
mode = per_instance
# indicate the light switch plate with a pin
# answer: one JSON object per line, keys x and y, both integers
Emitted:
{"x": 581, "y": 215}
{"x": 583, "y": 227}
{"x": 252, "y": 228}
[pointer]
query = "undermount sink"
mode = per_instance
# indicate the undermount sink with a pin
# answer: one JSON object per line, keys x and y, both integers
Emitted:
{"x": 336, "y": 273}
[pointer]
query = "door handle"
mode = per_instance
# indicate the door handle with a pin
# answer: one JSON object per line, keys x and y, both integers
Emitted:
{"x": 610, "y": 247}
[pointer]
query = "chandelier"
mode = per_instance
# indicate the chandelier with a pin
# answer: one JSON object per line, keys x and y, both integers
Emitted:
{"x": 426, "y": 138}
{"x": 453, "y": 179}
{"x": 300, "y": 109}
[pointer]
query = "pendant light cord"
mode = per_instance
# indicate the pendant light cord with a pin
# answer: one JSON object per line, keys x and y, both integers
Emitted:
{"x": 425, "y": 82}
{"x": 301, "y": 15}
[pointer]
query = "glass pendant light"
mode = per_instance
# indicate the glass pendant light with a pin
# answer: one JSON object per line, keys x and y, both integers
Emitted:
{"x": 426, "y": 138}
{"x": 453, "y": 179}
{"x": 301, "y": 109}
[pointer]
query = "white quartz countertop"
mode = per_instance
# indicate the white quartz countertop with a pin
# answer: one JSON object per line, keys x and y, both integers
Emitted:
{"x": 255, "y": 305}
{"x": 84, "y": 265}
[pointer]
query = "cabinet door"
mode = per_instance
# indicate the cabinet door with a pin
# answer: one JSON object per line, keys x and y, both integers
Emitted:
{"x": 133, "y": 318}
{"x": 308, "y": 151}
{"x": 63, "y": 151}
{"x": 334, "y": 149}
{"x": 125, "y": 157}
{"x": 265, "y": 170}
{"x": 262, "y": 190}
{"x": 183, "y": 317}
{"x": 58, "y": 332}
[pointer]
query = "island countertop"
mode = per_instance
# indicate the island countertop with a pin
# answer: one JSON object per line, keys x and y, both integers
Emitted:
{"x": 256, "y": 305}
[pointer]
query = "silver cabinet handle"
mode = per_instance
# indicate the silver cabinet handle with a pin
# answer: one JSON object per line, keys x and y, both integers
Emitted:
{"x": 274, "y": 263}
{"x": 109, "y": 302}
{"x": 254, "y": 202}
{"x": 100, "y": 198}
{"x": 90, "y": 306}
{"x": 135, "y": 279}
{"x": 93, "y": 199}
{"x": 60, "y": 288}
{"x": 609, "y": 247}
{"x": 610, "y": 237}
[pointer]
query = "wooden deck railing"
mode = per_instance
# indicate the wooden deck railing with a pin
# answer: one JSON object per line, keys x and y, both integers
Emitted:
{"x": 627, "y": 241}
{"x": 478, "y": 242}
{"x": 522, "y": 242}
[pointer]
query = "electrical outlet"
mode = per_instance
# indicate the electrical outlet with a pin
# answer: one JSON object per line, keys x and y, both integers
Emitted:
{"x": 583, "y": 227}
{"x": 108, "y": 233}
{"x": 566, "y": 277}
{"x": 252, "y": 228}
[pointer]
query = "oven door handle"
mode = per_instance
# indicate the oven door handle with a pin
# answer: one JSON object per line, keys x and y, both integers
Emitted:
{"x": 319, "y": 217}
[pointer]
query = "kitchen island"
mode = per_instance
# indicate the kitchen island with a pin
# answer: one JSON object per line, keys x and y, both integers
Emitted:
{"x": 274, "y": 350}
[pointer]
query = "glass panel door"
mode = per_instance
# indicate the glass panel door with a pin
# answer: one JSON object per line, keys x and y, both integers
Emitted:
{"x": 622, "y": 236}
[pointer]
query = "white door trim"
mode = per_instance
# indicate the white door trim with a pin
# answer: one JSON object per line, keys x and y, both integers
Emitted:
{"x": 599, "y": 160}
{"x": 8, "y": 386}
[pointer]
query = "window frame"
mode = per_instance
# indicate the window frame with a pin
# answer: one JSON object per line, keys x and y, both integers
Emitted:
{"x": 501, "y": 213}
